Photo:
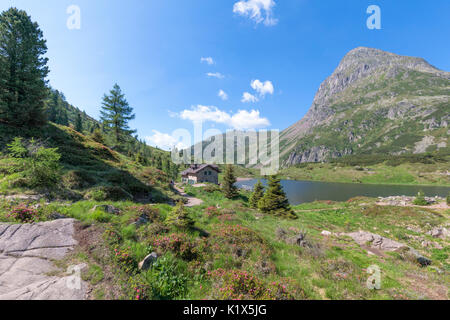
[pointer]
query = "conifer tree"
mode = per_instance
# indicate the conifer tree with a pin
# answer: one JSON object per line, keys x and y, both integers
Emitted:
{"x": 116, "y": 113}
{"x": 179, "y": 217}
{"x": 229, "y": 180}
{"x": 258, "y": 193}
{"x": 78, "y": 123}
{"x": 275, "y": 201}
{"x": 23, "y": 69}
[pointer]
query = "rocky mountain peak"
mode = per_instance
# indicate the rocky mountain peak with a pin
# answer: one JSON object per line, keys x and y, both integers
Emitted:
{"x": 362, "y": 62}
{"x": 377, "y": 89}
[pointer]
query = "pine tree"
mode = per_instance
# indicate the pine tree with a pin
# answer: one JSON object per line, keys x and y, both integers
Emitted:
{"x": 275, "y": 201}
{"x": 229, "y": 180}
{"x": 23, "y": 70}
{"x": 78, "y": 123}
{"x": 258, "y": 193}
{"x": 116, "y": 113}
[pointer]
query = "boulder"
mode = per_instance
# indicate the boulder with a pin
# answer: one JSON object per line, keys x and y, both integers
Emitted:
{"x": 376, "y": 241}
{"x": 148, "y": 261}
{"x": 142, "y": 220}
{"x": 439, "y": 233}
{"x": 106, "y": 208}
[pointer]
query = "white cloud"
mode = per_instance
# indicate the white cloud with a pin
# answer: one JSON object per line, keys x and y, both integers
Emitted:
{"x": 222, "y": 95}
{"x": 164, "y": 141}
{"x": 205, "y": 113}
{"x": 262, "y": 88}
{"x": 257, "y": 10}
{"x": 208, "y": 60}
{"x": 248, "y": 97}
{"x": 215, "y": 75}
{"x": 242, "y": 120}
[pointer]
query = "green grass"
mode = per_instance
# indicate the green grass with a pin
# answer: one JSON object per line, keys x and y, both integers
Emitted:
{"x": 403, "y": 174}
{"x": 242, "y": 239}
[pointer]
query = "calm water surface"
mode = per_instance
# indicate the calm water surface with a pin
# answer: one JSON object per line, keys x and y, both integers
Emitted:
{"x": 308, "y": 191}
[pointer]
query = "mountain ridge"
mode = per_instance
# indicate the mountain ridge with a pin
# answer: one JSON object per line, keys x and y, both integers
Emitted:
{"x": 376, "y": 77}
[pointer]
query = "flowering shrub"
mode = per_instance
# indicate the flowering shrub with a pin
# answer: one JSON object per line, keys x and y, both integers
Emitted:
{"x": 241, "y": 285}
{"x": 227, "y": 217}
{"x": 152, "y": 213}
{"x": 237, "y": 236}
{"x": 24, "y": 214}
{"x": 138, "y": 289}
{"x": 211, "y": 212}
{"x": 111, "y": 236}
{"x": 124, "y": 259}
{"x": 180, "y": 245}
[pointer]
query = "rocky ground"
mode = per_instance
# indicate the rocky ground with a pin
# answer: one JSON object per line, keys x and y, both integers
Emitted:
{"x": 27, "y": 255}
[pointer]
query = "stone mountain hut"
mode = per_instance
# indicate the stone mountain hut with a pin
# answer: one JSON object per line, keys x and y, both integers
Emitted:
{"x": 203, "y": 173}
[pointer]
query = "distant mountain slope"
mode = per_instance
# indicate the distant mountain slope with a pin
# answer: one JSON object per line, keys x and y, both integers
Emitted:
{"x": 375, "y": 102}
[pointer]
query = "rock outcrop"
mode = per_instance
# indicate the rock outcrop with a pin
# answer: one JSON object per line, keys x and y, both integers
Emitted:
{"x": 27, "y": 253}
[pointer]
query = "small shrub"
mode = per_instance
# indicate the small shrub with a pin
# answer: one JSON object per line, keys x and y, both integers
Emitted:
{"x": 420, "y": 199}
{"x": 24, "y": 214}
{"x": 139, "y": 288}
{"x": 242, "y": 285}
{"x": 39, "y": 165}
{"x": 211, "y": 212}
{"x": 448, "y": 199}
{"x": 180, "y": 245}
{"x": 152, "y": 213}
{"x": 179, "y": 217}
{"x": 124, "y": 259}
{"x": 210, "y": 188}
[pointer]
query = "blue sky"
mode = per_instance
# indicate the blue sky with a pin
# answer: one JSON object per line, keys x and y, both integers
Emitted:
{"x": 154, "y": 50}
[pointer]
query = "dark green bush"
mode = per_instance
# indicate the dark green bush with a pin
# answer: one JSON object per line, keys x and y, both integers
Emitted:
{"x": 39, "y": 165}
{"x": 420, "y": 199}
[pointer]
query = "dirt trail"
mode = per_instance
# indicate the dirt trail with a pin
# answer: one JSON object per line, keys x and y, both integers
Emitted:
{"x": 191, "y": 201}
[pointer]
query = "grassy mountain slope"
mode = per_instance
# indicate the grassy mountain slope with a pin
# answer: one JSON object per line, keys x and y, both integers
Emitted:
{"x": 374, "y": 103}
{"x": 90, "y": 168}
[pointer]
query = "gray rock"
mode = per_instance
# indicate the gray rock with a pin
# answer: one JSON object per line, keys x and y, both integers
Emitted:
{"x": 26, "y": 255}
{"x": 439, "y": 233}
{"x": 375, "y": 241}
{"x": 106, "y": 208}
{"x": 148, "y": 261}
{"x": 142, "y": 220}
{"x": 423, "y": 261}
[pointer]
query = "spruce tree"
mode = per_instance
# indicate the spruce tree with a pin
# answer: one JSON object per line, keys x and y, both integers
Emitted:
{"x": 179, "y": 217}
{"x": 275, "y": 201}
{"x": 78, "y": 123}
{"x": 229, "y": 180}
{"x": 258, "y": 193}
{"x": 116, "y": 113}
{"x": 23, "y": 69}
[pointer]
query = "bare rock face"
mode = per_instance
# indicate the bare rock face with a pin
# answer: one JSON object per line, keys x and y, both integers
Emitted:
{"x": 26, "y": 255}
